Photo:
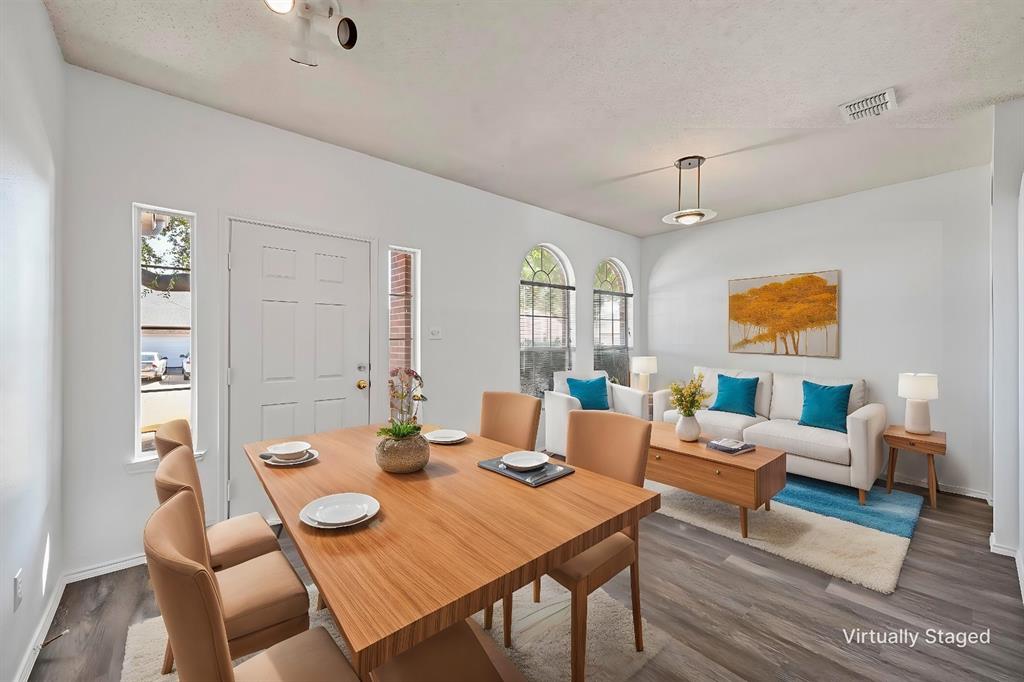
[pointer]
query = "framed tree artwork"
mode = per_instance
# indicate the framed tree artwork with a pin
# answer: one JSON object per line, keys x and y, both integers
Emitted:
{"x": 794, "y": 314}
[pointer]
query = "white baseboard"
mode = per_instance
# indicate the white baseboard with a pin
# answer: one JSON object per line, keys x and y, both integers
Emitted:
{"x": 955, "y": 489}
{"x": 105, "y": 567}
{"x": 36, "y": 644}
{"x": 1004, "y": 550}
{"x": 1020, "y": 571}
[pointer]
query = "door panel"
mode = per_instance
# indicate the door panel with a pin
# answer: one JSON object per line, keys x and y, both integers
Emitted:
{"x": 299, "y": 341}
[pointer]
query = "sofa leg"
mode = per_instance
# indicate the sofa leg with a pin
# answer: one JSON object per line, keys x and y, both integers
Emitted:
{"x": 862, "y": 496}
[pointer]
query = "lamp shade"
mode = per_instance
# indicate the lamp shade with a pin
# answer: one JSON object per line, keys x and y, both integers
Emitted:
{"x": 644, "y": 364}
{"x": 918, "y": 386}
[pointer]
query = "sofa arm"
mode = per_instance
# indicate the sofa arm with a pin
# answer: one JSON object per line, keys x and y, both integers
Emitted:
{"x": 865, "y": 427}
{"x": 662, "y": 400}
{"x": 626, "y": 400}
{"x": 556, "y": 420}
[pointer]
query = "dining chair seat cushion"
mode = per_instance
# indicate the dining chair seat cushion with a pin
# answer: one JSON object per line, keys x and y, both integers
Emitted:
{"x": 460, "y": 653}
{"x": 310, "y": 657}
{"x": 260, "y": 594}
{"x": 597, "y": 564}
{"x": 239, "y": 539}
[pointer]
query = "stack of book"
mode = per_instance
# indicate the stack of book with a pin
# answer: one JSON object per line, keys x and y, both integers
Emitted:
{"x": 730, "y": 446}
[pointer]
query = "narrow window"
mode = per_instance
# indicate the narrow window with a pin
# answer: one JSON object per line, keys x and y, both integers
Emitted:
{"x": 546, "y": 319}
{"x": 613, "y": 318}
{"x": 403, "y": 336}
{"x": 165, "y": 323}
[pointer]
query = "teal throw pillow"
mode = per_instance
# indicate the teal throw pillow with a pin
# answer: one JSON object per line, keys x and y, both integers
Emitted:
{"x": 592, "y": 393}
{"x": 825, "y": 406}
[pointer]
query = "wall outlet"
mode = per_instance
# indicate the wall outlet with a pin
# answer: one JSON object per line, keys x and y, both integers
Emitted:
{"x": 434, "y": 334}
{"x": 18, "y": 591}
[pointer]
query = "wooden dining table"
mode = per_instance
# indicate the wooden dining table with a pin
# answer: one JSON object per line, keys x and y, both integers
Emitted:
{"x": 448, "y": 541}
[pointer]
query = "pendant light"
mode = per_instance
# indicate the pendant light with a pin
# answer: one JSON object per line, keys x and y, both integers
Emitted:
{"x": 689, "y": 216}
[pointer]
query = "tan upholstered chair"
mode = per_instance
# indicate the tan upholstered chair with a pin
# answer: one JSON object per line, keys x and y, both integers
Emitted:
{"x": 172, "y": 434}
{"x": 263, "y": 599}
{"x": 511, "y": 418}
{"x": 614, "y": 445}
{"x": 193, "y": 607}
{"x": 190, "y": 599}
{"x": 233, "y": 540}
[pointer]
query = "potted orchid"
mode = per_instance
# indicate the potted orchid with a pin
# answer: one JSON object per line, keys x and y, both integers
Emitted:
{"x": 402, "y": 449}
{"x": 688, "y": 398}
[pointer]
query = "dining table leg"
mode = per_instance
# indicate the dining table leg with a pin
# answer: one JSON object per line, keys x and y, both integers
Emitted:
{"x": 361, "y": 663}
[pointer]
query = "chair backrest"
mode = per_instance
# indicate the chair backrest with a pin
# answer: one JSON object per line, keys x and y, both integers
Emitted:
{"x": 186, "y": 590}
{"x": 172, "y": 434}
{"x": 177, "y": 471}
{"x": 608, "y": 443}
{"x": 511, "y": 418}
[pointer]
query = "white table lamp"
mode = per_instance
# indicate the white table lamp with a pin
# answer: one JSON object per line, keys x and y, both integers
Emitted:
{"x": 644, "y": 366}
{"x": 918, "y": 389}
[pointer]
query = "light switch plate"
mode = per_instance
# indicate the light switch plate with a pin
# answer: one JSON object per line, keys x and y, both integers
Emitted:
{"x": 434, "y": 334}
{"x": 18, "y": 591}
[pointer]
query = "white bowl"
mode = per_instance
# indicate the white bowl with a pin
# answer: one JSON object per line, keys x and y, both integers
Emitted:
{"x": 524, "y": 460}
{"x": 291, "y": 450}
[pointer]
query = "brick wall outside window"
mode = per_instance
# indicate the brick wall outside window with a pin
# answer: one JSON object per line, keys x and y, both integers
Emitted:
{"x": 402, "y": 310}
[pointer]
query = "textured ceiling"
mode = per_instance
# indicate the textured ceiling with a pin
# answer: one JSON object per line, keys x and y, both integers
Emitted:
{"x": 581, "y": 106}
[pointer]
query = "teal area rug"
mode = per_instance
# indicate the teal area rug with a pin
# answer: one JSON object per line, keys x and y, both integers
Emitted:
{"x": 896, "y": 513}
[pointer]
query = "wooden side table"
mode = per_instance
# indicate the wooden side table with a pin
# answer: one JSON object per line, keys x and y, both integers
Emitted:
{"x": 934, "y": 443}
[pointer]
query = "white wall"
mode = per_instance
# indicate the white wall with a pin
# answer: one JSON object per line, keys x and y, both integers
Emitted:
{"x": 31, "y": 135}
{"x": 914, "y": 288}
{"x": 128, "y": 144}
{"x": 1007, "y": 167}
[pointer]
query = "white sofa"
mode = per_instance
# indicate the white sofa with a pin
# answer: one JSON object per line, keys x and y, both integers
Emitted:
{"x": 558, "y": 403}
{"x": 854, "y": 458}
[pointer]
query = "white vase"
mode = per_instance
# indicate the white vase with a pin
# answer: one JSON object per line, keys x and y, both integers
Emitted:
{"x": 687, "y": 428}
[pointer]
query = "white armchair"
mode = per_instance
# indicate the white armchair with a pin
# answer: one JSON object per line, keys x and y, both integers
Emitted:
{"x": 558, "y": 403}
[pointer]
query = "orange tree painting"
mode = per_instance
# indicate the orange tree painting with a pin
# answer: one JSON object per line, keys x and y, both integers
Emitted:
{"x": 785, "y": 314}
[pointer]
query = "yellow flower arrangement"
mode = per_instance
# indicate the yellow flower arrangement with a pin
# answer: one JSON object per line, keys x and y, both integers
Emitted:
{"x": 689, "y": 397}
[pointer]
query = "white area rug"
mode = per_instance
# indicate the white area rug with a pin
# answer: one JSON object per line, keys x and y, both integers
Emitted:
{"x": 540, "y": 638}
{"x": 855, "y": 553}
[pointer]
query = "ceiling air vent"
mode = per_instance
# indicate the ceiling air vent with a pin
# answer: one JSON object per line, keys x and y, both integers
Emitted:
{"x": 870, "y": 106}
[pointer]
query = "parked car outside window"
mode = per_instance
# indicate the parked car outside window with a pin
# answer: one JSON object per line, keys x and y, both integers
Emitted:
{"x": 152, "y": 366}
{"x": 186, "y": 365}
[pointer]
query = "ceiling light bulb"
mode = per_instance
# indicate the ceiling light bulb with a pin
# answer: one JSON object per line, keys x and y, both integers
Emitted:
{"x": 280, "y": 6}
{"x": 690, "y": 218}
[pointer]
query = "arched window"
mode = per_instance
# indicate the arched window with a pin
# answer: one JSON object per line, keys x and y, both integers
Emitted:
{"x": 613, "y": 319}
{"x": 546, "y": 314}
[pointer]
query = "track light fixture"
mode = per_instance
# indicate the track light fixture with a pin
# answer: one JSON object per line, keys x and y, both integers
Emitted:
{"x": 312, "y": 19}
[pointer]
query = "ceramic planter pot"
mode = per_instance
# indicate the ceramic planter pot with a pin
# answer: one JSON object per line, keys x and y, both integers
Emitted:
{"x": 687, "y": 428}
{"x": 403, "y": 455}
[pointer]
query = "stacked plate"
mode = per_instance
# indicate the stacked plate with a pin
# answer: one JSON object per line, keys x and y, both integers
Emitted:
{"x": 339, "y": 511}
{"x": 289, "y": 454}
{"x": 524, "y": 460}
{"x": 446, "y": 436}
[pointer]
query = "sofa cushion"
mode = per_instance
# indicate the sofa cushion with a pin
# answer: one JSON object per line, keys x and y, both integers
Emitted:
{"x": 825, "y": 406}
{"x": 806, "y": 441}
{"x": 787, "y": 401}
{"x": 592, "y": 393}
{"x": 718, "y": 424}
{"x": 735, "y": 395}
{"x": 763, "y": 397}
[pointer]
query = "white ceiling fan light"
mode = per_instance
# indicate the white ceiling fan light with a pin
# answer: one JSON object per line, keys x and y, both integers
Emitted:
{"x": 689, "y": 216}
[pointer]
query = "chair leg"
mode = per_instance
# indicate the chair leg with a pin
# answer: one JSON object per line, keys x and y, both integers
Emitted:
{"x": 506, "y": 619}
{"x": 536, "y": 591}
{"x": 168, "y": 660}
{"x": 488, "y": 616}
{"x": 634, "y": 584}
{"x": 579, "y": 634}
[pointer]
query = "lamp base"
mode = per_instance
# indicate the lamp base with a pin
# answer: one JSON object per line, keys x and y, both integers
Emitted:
{"x": 918, "y": 417}
{"x": 643, "y": 382}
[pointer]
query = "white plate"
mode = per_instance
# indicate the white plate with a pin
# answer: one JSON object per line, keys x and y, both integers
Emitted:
{"x": 524, "y": 460}
{"x": 446, "y": 436}
{"x": 338, "y": 511}
{"x": 311, "y": 512}
{"x": 310, "y": 456}
{"x": 290, "y": 450}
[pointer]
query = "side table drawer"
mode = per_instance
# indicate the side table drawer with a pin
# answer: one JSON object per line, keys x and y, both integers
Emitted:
{"x": 910, "y": 443}
{"x": 710, "y": 479}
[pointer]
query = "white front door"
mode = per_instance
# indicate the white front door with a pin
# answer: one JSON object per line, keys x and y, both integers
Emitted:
{"x": 299, "y": 331}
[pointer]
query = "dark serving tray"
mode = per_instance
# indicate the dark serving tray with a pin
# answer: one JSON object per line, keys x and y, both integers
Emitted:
{"x": 537, "y": 477}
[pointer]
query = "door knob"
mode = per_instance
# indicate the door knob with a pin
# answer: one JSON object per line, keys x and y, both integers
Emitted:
{"x": 362, "y": 384}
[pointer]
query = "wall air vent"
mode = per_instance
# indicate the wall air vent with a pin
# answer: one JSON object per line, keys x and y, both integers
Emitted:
{"x": 870, "y": 106}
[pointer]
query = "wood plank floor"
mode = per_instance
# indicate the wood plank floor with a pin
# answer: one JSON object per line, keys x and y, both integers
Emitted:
{"x": 734, "y": 612}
